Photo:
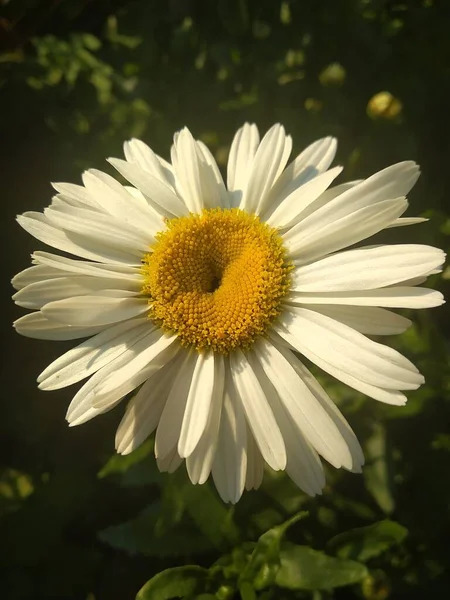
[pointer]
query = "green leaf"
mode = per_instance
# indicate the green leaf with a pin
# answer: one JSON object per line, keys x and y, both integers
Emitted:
{"x": 151, "y": 535}
{"x": 212, "y": 517}
{"x": 135, "y": 469}
{"x": 377, "y": 473}
{"x": 119, "y": 463}
{"x": 264, "y": 562}
{"x": 174, "y": 583}
{"x": 365, "y": 543}
{"x": 303, "y": 568}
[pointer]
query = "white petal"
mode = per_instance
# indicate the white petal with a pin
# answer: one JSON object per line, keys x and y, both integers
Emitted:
{"x": 321, "y": 200}
{"x": 35, "y": 325}
{"x": 95, "y": 310}
{"x": 302, "y": 408}
{"x": 407, "y": 221}
{"x": 240, "y": 161}
{"x": 189, "y": 170}
{"x": 149, "y": 354}
{"x": 33, "y": 275}
{"x": 93, "y": 354}
{"x": 217, "y": 194}
{"x": 144, "y": 410}
{"x": 139, "y": 153}
{"x": 81, "y": 409}
{"x": 265, "y": 168}
{"x": 366, "y": 268}
{"x": 65, "y": 266}
{"x": 368, "y": 320}
{"x": 160, "y": 196}
{"x": 288, "y": 212}
{"x": 390, "y": 297}
{"x": 40, "y": 227}
{"x": 199, "y": 463}
{"x": 328, "y": 405}
{"x": 303, "y": 463}
{"x": 168, "y": 432}
{"x": 259, "y": 415}
{"x": 170, "y": 462}
{"x": 116, "y": 201}
{"x": 36, "y": 295}
{"x": 78, "y": 193}
{"x": 378, "y": 393}
{"x": 316, "y": 335}
{"x": 102, "y": 229}
{"x": 230, "y": 462}
{"x": 198, "y": 405}
{"x": 313, "y": 238}
{"x": 255, "y": 464}
{"x": 315, "y": 159}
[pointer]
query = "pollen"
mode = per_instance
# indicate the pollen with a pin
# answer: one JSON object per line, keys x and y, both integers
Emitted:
{"x": 216, "y": 279}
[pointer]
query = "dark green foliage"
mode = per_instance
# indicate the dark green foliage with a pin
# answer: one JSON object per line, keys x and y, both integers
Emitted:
{"x": 78, "y": 78}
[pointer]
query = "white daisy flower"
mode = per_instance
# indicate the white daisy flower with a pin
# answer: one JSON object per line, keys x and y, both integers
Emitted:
{"x": 198, "y": 296}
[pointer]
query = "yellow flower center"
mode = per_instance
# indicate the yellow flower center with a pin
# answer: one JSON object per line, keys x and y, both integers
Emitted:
{"x": 216, "y": 279}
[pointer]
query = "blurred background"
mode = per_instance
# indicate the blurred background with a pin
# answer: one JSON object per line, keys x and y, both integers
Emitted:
{"x": 79, "y": 77}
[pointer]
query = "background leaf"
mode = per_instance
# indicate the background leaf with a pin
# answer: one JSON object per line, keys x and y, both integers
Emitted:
{"x": 303, "y": 568}
{"x": 365, "y": 543}
{"x": 179, "y": 582}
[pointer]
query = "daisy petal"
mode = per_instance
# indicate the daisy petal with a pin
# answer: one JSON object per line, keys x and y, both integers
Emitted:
{"x": 314, "y": 335}
{"x": 240, "y": 161}
{"x": 84, "y": 311}
{"x": 106, "y": 230}
{"x": 328, "y": 405}
{"x": 216, "y": 194}
{"x": 390, "y": 297}
{"x": 255, "y": 464}
{"x": 407, "y": 221}
{"x": 366, "y": 268}
{"x": 265, "y": 168}
{"x": 170, "y": 462}
{"x": 64, "y": 266}
{"x": 139, "y": 153}
{"x": 93, "y": 354}
{"x": 150, "y": 353}
{"x": 291, "y": 208}
{"x": 35, "y": 325}
{"x": 115, "y": 200}
{"x": 198, "y": 405}
{"x": 259, "y": 415}
{"x": 78, "y": 194}
{"x": 199, "y": 463}
{"x": 34, "y": 274}
{"x": 144, "y": 410}
{"x": 301, "y": 406}
{"x": 42, "y": 229}
{"x": 169, "y": 427}
{"x": 230, "y": 463}
{"x": 160, "y": 196}
{"x": 189, "y": 170}
{"x": 368, "y": 320}
{"x": 311, "y": 239}
{"x": 36, "y": 295}
{"x": 313, "y": 161}
{"x": 303, "y": 463}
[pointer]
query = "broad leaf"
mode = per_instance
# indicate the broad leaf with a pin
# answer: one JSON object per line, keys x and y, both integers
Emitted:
{"x": 365, "y": 543}
{"x": 305, "y": 569}
{"x": 378, "y": 470}
{"x": 174, "y": 583}
{"x": 264, "y": 562}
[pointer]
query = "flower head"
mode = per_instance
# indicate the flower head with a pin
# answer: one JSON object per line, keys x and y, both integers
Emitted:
{"x": 198, "y": 297}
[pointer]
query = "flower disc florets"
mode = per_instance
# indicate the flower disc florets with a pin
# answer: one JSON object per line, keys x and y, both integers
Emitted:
{"x": 216, "y": 279}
